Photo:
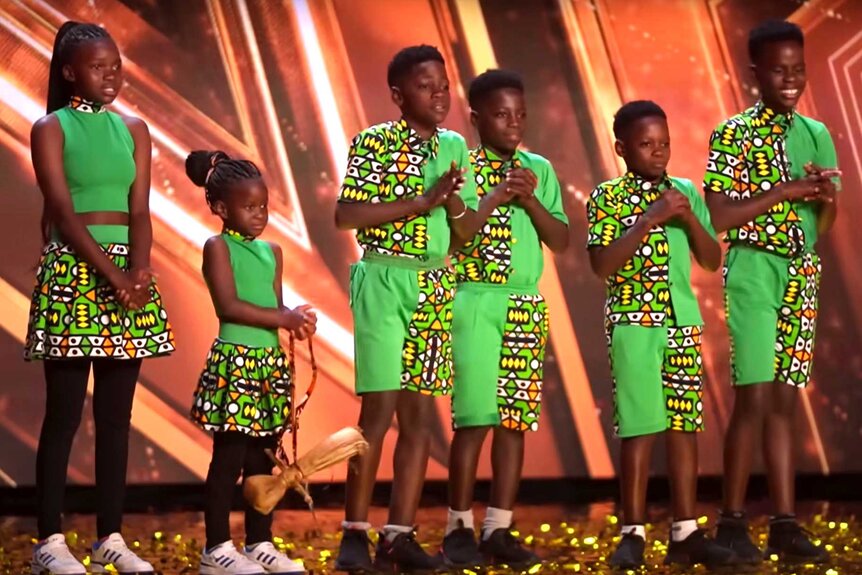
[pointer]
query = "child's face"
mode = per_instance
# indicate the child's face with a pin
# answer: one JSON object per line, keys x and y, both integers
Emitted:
{"x": 423, "y": 95}
{"x": 501, "y": 120}
{"x": 780, "y": 74}
{"x": 245, "y": 209}
{"x": 646, "y": 147}
{"x": 95, "y": 68}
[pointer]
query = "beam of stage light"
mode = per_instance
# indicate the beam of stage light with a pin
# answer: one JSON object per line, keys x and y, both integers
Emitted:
{"x": 336, "y": 137}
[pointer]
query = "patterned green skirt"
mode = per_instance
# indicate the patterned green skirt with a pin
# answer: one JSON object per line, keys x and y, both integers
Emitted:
{"x": 244, "y": 389}
{"x": 73, "y": 312}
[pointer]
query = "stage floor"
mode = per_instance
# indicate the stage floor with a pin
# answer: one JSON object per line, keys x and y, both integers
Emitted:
{"x": 570, "y": 539}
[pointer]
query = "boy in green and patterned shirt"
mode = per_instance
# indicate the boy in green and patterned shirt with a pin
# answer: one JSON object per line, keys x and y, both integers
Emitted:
{"x": 768, "y": 183}
{"x": 643, "y": 228}
{"x": 500, "y": 327}
{"x": 407, "y": 189}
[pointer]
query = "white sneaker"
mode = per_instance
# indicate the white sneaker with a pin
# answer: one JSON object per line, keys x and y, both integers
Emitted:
{"x": 225, "y": 559}
{"x": 272, "y": 560}
{"x": 52, "y": 557}
{"x": 113, "y": 551}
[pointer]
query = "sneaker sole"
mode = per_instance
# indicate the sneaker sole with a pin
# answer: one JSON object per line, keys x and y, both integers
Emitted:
{"x": 96, "y": 568}
{"x": 208, "y": 570}
{"x": 36, "y": 570}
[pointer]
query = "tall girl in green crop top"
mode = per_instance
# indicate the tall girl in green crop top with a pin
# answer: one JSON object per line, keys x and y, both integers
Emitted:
{"x": 95, "y": 305}
{"x": 243, "y": 393}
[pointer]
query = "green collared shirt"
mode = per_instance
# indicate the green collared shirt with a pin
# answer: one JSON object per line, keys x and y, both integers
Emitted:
{"x": 507, "y": 249}
{"x": 753, "y": 152}
{"x": 390, "y": 162}
{"x": 656, "y": 281}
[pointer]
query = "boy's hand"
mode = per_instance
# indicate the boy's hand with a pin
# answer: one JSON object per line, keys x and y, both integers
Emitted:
{"x": 827, "y": 190}
{"x": 522, "y": 184}
{"x": 449, "y": 183}
{"x": 671, "y": 204}
{"x": 804, "y": 189}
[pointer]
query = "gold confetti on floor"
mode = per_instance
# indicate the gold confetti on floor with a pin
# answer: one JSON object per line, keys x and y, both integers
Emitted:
{"x": 570, "y": 540}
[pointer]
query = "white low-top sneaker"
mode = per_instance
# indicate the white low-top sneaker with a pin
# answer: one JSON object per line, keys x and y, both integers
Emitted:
{"x": 52, "y": 557}
{"x": 225, "y": 559}
{"x": 272, "y": 560}
{"x": 112, "y": 550}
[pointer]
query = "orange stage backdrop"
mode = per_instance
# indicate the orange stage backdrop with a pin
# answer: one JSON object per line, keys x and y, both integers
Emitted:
{"x": 287, "y": 84}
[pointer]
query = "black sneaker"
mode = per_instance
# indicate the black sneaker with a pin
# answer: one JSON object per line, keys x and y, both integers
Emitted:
{"x": 792, "y": 543}
{"x": 699, "y": 548}
{"x": 460, "y": 550}
{"x": 404, "y": 555}
{"x": 503, "y": 548}
{"x": 732, "y": 533}
{"x": 353, "y": 553}
{"x": 629, "y": 554}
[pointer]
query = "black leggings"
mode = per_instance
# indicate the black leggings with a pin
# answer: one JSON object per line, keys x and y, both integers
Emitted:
{"x": 113, "y": 393}
{"x": 235, "y": 453}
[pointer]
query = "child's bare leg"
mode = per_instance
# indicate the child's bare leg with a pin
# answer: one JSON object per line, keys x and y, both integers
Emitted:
{"x": 635, "y": 455}
{"x": 778, "y": 442}
{"x": 463, "y": 463}
{"x": 746, "y": 423}
{"x": 415, "y": 412}
{"x": 507, "y": 460}
{"x": 375, "y": 417}
{"x": 682, "y": 470}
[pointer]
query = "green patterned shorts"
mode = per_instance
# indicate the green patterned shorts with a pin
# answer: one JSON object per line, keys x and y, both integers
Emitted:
{"x": 73, "y": 312}
{"x": 244, "y": 389}
{"x": 658, "y": 378}
{"x": 401, "y": 322}
{"x": 771, "y": 306}
{"x": 499, "y": 340}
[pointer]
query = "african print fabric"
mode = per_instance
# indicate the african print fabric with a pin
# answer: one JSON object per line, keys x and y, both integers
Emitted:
{"x": 74, "y": 313}
{"x": 682, "y": 378}
{"x": 522, "y": 357}
{"x": 638, "y": 293}
{"x": 747, "y": 156}
{"x": 386, "y": 164}
{"x": 427, "y": 352}
{"x": 245, "y": 389}
{"x": 488, "y": 257}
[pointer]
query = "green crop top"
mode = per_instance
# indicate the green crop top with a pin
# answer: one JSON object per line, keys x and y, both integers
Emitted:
{"x": 98, "y": 157}
{"x": 253, "y": 265}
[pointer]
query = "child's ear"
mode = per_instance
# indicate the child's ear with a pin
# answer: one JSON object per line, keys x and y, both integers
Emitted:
{"x": 219, "y": 209}
{"x": 68, "y": 73}
{"x": 396, "y": 95}
{"x": 620, "y": 148}
{"x": 474, "y": 118}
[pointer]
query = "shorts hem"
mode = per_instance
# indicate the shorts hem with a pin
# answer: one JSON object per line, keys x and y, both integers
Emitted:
{"x": 637, "y": 431}
{"x": 487, "y": 420}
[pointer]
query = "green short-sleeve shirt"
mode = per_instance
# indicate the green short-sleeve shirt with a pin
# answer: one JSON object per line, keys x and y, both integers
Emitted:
{"x": 390, "y": 162}
{"x": 753, "y": 152}
{"x": 507, "y": 249}
{"x": 657, "y": 279}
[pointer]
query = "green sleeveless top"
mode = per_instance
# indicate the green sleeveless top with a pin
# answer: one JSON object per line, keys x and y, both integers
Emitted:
{"x": 253, "y": 265}
{"x": 98, "y": 159}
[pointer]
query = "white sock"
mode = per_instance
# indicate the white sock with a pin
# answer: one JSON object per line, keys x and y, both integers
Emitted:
{"x": 638, "y": 530}
{"x": 495, "y": 519}
{"x": 393, "y": 531}
{"x": 458, "y": 519}
{"x": 357, "y": 525}
{"x": 681, "y": 529}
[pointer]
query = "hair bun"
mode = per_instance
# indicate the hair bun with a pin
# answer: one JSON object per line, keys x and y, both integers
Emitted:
{"x": 199, "y": 163}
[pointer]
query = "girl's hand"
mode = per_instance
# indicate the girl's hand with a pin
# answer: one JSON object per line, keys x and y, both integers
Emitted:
{"x": 298, "y": 317}
{"x": 131, "y": 294}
